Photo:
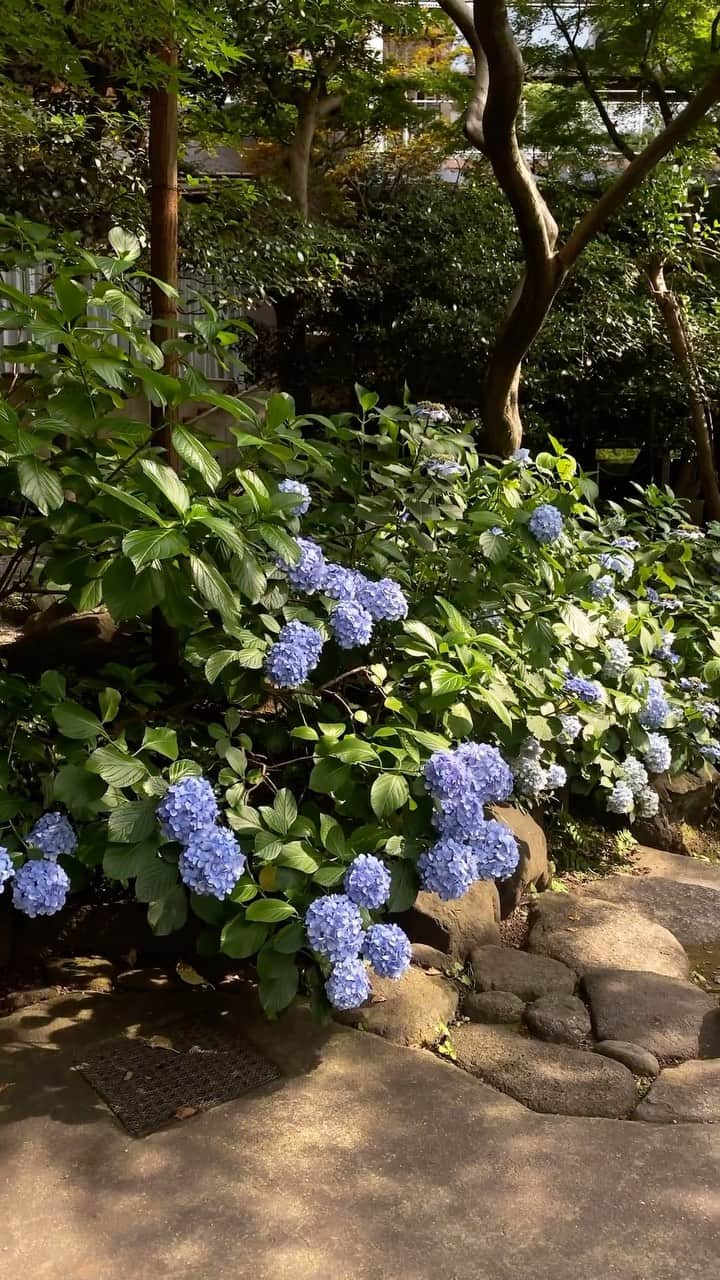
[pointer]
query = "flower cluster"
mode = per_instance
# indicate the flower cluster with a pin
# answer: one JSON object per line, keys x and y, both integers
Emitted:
{"x": 658, "y": 754}
{"x": 622, "y": 565}
{"x": 387, "y": 948}
{"x": 348, "y": 985}
{"x": 297, "y": 486}
{"x": 367, "y": 882}
{"x": 40, "y": 888}
{"x": 531, "y": 777}
{"x": 655, "y": 710}
{"x": 431, "y": 411}
{"x": 664, "y": 651}
{"x": 7, "y": 869}
{"x": 633, "y": 793}
{"x": 635, "y": 774}
{"x": 691, "y": 684}
{"x": 188, "y": 806}
{"x": 351, "y": 624}
{"x": 295, "y": 653}
{"x": 621, "y": 799}
{"x": 626, "y": 543}
{"x": 384, "y": 600}
{"x": 571, "y": 726}
{"x": 618, "y": 661}
{"x": 211, "y": 862}
{"x": 53, "y": 835}
{"x": 308, "y": 574}
{"x": 546, "y": 524}
{"x": 584, "y": 690}
{"x": 602, "y": 588}
{"x": 448, "y": 868}
{"x": 444, "y": 469}
{"x": 522, "y": 456}
{"x": 340, "y": 583}
{"x": 334, "y": 927}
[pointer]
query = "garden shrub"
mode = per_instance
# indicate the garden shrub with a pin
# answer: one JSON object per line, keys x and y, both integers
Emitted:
{"x": 380, "y": 634}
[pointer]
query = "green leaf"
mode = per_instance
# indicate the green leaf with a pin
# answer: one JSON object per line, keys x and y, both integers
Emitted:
{"x": 332, "y": 836}
{"x": 290, "y": 938}
{"x": 353, "y": 750}
{"x": 163, "y": 741}
{"x": 117, "y": 767}
{"x": 279, "y": 981}
{"x": 444, "y": 682}
{"x": 226, "y": 532}
{"x": 78, "y": 790}
{"x": 168, "y": 482}
{"x": 280, "y": 541}
{"x": 207, "y": 908}
{"x": 154, "y": 878}
{"x": 142, "y": 546}
{"x": 122, "y": 863}
{"x": 269, "y": 911}
{"x": 168, "y": 913}
{"x": 578, "y": 622}
{"x": 40, "y": 485}
{"x": 366, "y": 399}
{"x": 213, "y": 587}
{"x": 197, "y": 456}
{"x": 403, "y": 886}
{"x": 75, "y": 721}
{"x": 293, "y": 855}
{"x": 496, "y": 706}
{"x": 285, "y": 810}
{"x": 132, "y": 822}
{"x": 109, "y": 701}
{"x": 388, "y": 793}
{"x": 128, "y": 499}
{"x": 328, "y": 876}
{"x": 459, "y": 720}
{"x": 124, "y": 243}
{"x": 329, "y": 776}
{"x": 250, "y": 578}
{"x": 240, "y": 940}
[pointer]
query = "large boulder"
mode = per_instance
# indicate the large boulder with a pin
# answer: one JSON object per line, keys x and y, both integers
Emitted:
{"x": 545, "y": 1077}
{"x": 493, "y": 1006}
{"x": 684, "y": 1094}
{"x": 533, "y": 867}
{"x": 525, "y": 975}
{"x": 678, "y": 892}
{"x": 412, "y": 1010}
{"x": 455, "y": 927}
{"x": 586, "y": 933}
{"x": 559, "y": 1019}
{"x": 668, "y": 1016}
{"x": 632, "y": 1056}
{"x": 689, "y": 797}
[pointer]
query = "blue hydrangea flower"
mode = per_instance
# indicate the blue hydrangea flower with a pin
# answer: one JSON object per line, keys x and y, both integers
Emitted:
{"x": 448, "y": 869}
{"x": 655, "y": 710}
{"x": 622, "y": 565}
{"x": 709, "y": 711}
{"x": 546, "y": 524}
{"x": 571, "y": 727}
{"x": 658, "y": 753}
{"x": 711, "y": 751}
{"x": 648, "y": 803}
{"x": 188, "y": 806}
{"x": 497, "y": 532}
{"x": 621, "y": 799}
{"x": 671, "y": 604}
{"x": 295, "y": 653}
{"x": 367, "y": 882}
{"x": 340, "y": 583}
{"x": 351, "y": 624}
{"x": 556, "y": 777}
{"x": 348, "y": 985}
{"x": 532, "y": 748}
{"x": 431, "y": 411}
{"x": 521, "y": 455}
{"x": 635, "y": 774}
{"x": 384, "y": 600}
{"x": 602, "y": 588}
{"x": 387, "y": 948}
{"x": 627, "y": 544}
{"x": 308, "y": 574}
{"x": 212, "y": 862}
{"x": 444, "y": 469}
{"x": 334, "y": 927}
{"x": 40, "y": 888}
{"x": 53, "y": 835}
{"x": 297, "y": 486}
{"x": 7, "y": 869}
{"x": 584, "y": 690}
{"x": 652, "y": 595}
{"x": 496, "y": 851}
{"x": 474, "y": 767}
{"x": 664, "y": 651}
{"x": 691, "y": 684}
{"x": 530, "y": 777}
{"x": 618, "y": 661}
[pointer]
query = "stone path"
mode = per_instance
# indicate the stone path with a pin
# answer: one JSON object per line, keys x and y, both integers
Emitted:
{"x": 367, "y": 1162}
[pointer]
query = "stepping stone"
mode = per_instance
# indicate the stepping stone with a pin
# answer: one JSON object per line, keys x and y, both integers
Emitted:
{"x": 559, "y": 1019}
{"x": 670, "y": 1017}
{"x": 88, "y": 973}
{"x": 638, "y": 1060}
{"x": 430, "y": 958}
{"x": 675, "y": 891}
{"x": 533, "y": 867}
{"x": 493, "y": 1006}
{"x": 587, "y": 933}
{"x": 527, "y": 976}
{"x": 545, "y": 1077}
{"x": 690, "y": 1092}
{"x": 412, "y": 1010}
{"x": 458, "y": 926}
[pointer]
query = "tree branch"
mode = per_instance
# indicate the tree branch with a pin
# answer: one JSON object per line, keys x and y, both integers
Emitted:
{"x": 643, "y": 164}
{"x": 459, "y": 13}
{"x": 583, "y": 71}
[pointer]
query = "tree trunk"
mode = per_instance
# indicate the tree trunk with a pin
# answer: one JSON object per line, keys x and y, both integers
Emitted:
{"x": 699, "y": 408}
{"x": 163, "y": 148}
{"x": 299, "y": 152}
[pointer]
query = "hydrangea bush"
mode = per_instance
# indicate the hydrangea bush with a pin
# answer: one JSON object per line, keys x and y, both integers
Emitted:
{"x": 381, "y": 636}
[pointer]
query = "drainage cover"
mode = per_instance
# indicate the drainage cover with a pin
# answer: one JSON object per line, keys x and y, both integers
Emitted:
{"x": 189, "y": 1065}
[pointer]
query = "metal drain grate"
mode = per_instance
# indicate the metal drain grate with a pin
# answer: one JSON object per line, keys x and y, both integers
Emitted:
{"x": 189, "y": 1065}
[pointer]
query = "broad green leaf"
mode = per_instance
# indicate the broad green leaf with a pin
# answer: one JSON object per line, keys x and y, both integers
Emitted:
{"x": 75, "y": 721}
{"x": 211, "y": 584}
{"x": 154, "y": 878}
{"x": 578, "y": 622}
{"x": 240, "y": 940}
{"x": 109, "y": 701}
{"x": 285, "y": 810}
{"x": 78, "y": 790}
{"x": 290, "y": 938}
{"x": 142, "y": 546}
{"x": 117, "y": 767}
{"x": 168, "y": 913}
{"x": 329, "y": 776}
{"x": 121, "y": 863}
{"x": 132, "y": 822}
{"x": 168, "y": 482}
{"x": 403, "y": 886}
{"x": 197, "y": 456}
{"x": 388, "y": 793}
{"x": 269, "y": 911}
{"x": 279, "y": 981}
{"x": 163, "y": 741}
{"x": 40, "y": 485}
{"x": 128, "y": 499}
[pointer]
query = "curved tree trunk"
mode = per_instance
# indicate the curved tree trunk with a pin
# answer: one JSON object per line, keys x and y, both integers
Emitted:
{"x": 699, "y": 408}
